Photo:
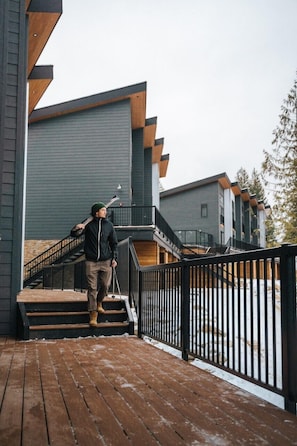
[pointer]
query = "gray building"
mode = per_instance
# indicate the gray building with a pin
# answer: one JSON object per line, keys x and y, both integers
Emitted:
{"x": 214, "y": 211}
{"x": 89, "y": 150}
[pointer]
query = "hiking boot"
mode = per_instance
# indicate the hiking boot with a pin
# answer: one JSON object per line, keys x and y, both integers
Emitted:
{"x": 93, "y": 319}
{"x": 100, "y": 308}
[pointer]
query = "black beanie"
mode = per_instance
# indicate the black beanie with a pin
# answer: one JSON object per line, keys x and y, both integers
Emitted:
{"x": 96, "y": 207}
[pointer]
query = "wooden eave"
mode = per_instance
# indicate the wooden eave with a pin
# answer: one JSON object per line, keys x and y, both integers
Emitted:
{"x": 43, "y": 16}
{"x": 163, "y": 165}
{"x": 261, "y": 206}
{"x": 150, "y": 132}
{"x": 235, "y": 189}
{"x": 38, "y": 81}
{"x": 253, "y": 201}
{"x": 157, "y": 150}
{"x": 135, "y": 94}
{"x": 245, "y": 196}
{"x": 224, "y": 182}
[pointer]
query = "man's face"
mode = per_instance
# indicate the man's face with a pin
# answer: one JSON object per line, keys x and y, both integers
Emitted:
{"x": 101, "y": 213}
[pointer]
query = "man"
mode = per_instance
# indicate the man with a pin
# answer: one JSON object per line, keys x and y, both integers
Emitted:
{"x": 101, "y": 256}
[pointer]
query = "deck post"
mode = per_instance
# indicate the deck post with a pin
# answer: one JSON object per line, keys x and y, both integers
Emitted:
{"x": 185, "y": 310}
{"x": 289, "y": 327}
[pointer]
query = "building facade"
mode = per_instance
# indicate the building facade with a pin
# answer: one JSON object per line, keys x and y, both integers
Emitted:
{"x": 25, "y": 27}
{"x": 215, "y": 211}
{"x": 89, "y": 150}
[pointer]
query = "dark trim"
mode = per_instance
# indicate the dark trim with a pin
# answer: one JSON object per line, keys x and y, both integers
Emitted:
{"x": 42, "y": 72}
{"x": 45, "y": 6}
{"x": 194, "y": 185}
{"x": 87, "y": 102}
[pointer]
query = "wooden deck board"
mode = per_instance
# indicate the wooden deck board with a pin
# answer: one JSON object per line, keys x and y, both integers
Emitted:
{"x": 122, "y": 391}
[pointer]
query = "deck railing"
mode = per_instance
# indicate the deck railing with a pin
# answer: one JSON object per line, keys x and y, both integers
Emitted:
{"x": 236, "y": 312}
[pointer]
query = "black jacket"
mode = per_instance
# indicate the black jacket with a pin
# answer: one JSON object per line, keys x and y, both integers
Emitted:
{"x": 100, "y": 240}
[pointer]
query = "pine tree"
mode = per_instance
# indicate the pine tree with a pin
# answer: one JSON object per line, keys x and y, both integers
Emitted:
{"x": 253, "y": 183}
{"x": 255, "y": 186}
{"x": 280, "y": 166}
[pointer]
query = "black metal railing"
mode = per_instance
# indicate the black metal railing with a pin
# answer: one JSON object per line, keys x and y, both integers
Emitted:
{"x": 195, "y": 237}
{"x": 143, "y": 216}
{"x": 120, "y": 216}
{"x": 241, "y": 245}
{"x": 56, "y": 252}
{"x": 236, "y": 312}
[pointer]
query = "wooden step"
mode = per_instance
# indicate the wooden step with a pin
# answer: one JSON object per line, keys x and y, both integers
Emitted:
{"x": 77, "y": 326}
{"x": 60, "y": 331}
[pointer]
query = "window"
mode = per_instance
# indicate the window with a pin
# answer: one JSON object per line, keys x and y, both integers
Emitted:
{"x": 204, "y": 210}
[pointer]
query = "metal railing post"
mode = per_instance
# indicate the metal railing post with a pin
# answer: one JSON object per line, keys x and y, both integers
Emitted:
{"x": 288, "y": 327}
{"x": 185, "y": 310}
{"x": 140, "y": 305}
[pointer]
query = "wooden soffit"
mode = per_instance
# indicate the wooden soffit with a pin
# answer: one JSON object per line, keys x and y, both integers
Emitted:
{"x": 43, "y": 16}
{"x": 163, "y": 165}
{"x": 157, "y": 150}
{"x": 150, "y": 132}
{"x": 38, "y": 81}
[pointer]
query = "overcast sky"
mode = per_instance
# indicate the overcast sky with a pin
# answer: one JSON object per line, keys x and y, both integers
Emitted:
{"x": 217, "y": 72}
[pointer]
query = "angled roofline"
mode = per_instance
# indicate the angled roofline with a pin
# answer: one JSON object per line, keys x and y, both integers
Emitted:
{"x": 222, "y": 178}
{"x": 135, "y": 93}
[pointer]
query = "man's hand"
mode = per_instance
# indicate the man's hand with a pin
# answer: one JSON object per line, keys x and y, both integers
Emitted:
{"x": 114, "y": 263}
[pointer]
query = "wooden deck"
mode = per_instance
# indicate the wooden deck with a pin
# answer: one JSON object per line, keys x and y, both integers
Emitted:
{"x": 123, "y": 391}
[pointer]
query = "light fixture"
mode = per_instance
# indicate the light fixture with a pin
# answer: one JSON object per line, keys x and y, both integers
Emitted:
{"x": 119, "y": 187}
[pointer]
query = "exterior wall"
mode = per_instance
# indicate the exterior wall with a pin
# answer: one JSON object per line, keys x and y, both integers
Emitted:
{"x": 156, "y": 185}
{"x": 183, "y": 210}
{"x": 12, "y": 155}
{"x": 148, "y": 198}
{"x": 137, "y": 168}
{"x": 228, "y": 223}
{"x": 73, "y": 161}
{"x": 238, "y": 217}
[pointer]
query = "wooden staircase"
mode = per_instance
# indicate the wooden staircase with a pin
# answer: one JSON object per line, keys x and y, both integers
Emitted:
{"x": 47, "y": 314}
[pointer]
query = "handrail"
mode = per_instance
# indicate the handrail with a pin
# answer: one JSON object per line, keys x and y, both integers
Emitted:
{"x": 53, "y": 254}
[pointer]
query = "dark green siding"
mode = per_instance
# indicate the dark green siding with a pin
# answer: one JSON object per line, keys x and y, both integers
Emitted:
{"x": 73, "y": 161}
{"x": 12, "y": 151}
{"x": 138, "y": 168}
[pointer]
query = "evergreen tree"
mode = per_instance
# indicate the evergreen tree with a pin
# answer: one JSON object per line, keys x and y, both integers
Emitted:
{"x": 243, "y": 179}
{"x": 253, "y": 183}
{"x": 280, "y": 166}
{"x": 255, "y": 186}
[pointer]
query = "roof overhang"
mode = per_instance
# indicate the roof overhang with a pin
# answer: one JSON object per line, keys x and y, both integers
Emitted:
{"x": 43, "y": 16}
{"x": 39, "y": 79}
{"x": 163, "y": 165}
{"x": 136, "y": 94}
{"x": 150, "y": 132}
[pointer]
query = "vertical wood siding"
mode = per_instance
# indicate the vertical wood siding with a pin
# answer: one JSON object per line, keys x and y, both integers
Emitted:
{"x": 74, "y": 161}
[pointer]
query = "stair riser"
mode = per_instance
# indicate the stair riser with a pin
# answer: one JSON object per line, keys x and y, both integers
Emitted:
{"x": 75, "y": 333}
{"x": 74, "y": 319}
{"x": 70, "y": 306}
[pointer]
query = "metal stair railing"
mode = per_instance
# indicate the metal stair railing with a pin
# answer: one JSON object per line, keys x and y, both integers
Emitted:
{"x": 54, "y": 254}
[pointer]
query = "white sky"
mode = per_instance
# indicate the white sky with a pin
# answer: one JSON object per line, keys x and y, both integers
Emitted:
{"x": 217, "y": 72}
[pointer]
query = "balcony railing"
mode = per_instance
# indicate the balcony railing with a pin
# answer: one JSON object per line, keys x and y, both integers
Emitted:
{"x": 143, "y": 216}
